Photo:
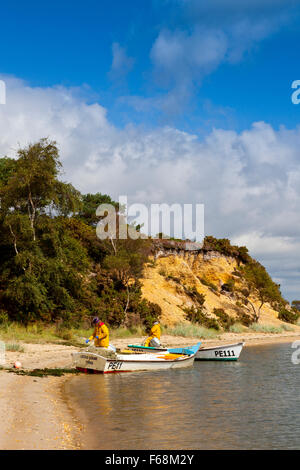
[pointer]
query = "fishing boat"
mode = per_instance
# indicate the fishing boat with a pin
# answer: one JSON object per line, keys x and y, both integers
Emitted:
{"x": 87, "y": 361}
{"x": 139, "y": 349}
{"x": 228, "y": 352}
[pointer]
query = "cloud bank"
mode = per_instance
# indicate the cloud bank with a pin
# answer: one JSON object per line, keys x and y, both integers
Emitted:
{"x": 248, "y": 181}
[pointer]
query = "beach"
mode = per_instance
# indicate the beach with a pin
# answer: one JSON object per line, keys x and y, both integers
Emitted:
{"x": 35, "y": 412}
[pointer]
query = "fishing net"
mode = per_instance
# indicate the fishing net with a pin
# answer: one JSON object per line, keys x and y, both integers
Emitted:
{"x": 102, "y": 352}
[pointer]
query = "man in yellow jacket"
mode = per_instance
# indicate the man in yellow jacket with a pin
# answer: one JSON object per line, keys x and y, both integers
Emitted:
{"x": 154, "y": 333}
{"x": 100, "y": 335}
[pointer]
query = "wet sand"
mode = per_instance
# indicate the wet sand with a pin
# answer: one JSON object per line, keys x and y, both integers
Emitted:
{"x": 34, "y": 414}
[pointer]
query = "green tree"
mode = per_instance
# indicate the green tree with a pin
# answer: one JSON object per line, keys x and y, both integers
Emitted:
{"x": 126, "y": 265}
{"x": 43, "y": 266}
{"x": 33, "y": 189}
{"x": 7, "y": 167}
{"x": 259, "y": 284}
{"x": 90, "y": 202}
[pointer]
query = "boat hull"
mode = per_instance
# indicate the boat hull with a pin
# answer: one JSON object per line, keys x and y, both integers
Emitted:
{"x": 228, "y": 352}
{"x": 92, "y": 362}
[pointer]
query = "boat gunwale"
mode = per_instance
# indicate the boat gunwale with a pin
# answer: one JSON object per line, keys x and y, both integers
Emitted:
{"x": 222, "y": 346}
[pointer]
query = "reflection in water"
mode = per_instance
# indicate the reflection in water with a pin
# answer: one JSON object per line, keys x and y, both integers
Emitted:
{"x": 251, "y": 404}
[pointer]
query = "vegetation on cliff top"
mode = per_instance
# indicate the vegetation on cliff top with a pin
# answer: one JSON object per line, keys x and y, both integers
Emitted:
{"x": 53, "y": 266}
{"x": 54, "y": 269}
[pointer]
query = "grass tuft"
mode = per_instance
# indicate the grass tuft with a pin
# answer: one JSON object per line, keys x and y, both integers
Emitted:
{"x": 237, "y": 328}
{"x": 287, "y": 328}
{"x": 14, "y": 347}
{"x": 193, "y": 331}
{"x": 122, "y": 332}
{"x": 266, "y": 328}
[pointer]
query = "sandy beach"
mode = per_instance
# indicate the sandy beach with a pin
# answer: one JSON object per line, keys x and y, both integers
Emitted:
{"x": 34, "y": 412}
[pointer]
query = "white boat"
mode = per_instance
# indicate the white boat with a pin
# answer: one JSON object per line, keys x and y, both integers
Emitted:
{"x": 93, "y": 362}
{"x": 227, "y": 352}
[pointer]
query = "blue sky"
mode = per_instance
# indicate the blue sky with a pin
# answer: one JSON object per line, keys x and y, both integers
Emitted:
{"x": 71, "y": 43}
{"x": 167, "y": 101}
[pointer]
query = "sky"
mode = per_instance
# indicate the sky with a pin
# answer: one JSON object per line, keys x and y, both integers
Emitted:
{"x": 167, "y": 101}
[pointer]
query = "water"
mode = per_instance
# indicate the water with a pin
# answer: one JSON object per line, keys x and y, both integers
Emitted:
{"x": 250, "y": 404}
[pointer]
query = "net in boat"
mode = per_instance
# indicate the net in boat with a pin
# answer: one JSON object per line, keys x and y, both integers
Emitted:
{"x": 102, "y": 352}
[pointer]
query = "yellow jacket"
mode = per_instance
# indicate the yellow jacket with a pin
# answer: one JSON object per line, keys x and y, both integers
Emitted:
{"x": 102, "y": 332}
{"x": 154, "y": 333}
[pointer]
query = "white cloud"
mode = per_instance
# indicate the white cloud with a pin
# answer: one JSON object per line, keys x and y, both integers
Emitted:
{"x": 207, "y": 34}
{"x": 121, "y": 63}
{"x": 180, "y": 56}
{"x": 249, "y": 181}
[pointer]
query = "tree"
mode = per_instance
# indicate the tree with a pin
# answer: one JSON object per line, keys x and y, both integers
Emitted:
{"x": 259, "y": 284}
{"x": 53, "y": 266}
{"x": 43, "y": 266}
{"x": 7, "y": 167}
{"x": 90, "y": 202}
{"x": 126, "y": 265}
{"x": 32, "y": 188}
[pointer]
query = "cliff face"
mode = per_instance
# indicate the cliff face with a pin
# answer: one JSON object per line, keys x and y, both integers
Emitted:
{"x": 176, "y": 271}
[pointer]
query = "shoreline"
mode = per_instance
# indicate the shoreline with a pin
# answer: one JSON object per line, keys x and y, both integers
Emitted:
{"x": 35, "y": 412}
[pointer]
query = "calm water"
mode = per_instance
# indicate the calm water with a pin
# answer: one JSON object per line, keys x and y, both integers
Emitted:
{"x": 251, "y": 404}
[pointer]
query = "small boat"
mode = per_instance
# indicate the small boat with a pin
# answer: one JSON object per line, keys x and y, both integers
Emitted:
{"x": 228, "y": 352}
{"x": 87, "y": 361}
{"x": 139, "y": 349}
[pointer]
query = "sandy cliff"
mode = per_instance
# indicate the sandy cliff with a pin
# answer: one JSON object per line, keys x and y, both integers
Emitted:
{"x": 175, "y": 272}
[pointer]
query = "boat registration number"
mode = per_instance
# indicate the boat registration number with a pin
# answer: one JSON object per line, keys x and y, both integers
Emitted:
{"x": 226, "y": 353}
{"x": 114, "y": 365}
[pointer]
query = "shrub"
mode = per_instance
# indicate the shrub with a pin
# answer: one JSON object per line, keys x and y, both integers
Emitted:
{"x": 244, "y": 318}
{"x": 207, "y": 283}
{"x": 195, "y": 295}
{"x": 245, "y": 291}
{"x": 229, "y": 285}
{"x": 162, "y": 272}
{"x": 224, "y": 319}
{"x": 196, "y": 315}
{"x": 3, "y": 317}
{"x": 223, "y": 246}
{"x": 288, "y": 316}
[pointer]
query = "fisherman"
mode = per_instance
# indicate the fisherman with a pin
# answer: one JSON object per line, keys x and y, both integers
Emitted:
{"x": 100, "y": 335}
{"x": 154, "y": 338}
